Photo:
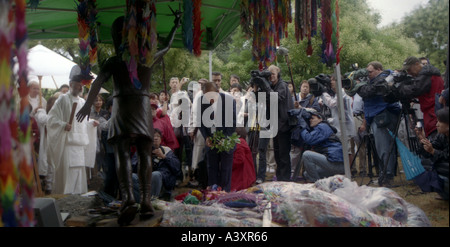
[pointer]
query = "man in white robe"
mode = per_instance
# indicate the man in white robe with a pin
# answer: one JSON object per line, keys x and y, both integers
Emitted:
{"x": 36, "y": 100}
{"x": 68, "y": 140}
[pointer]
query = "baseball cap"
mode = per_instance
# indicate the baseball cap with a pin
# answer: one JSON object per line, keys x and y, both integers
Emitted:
{"x": 316, "y": 113}
{"x": 410, "y": 61}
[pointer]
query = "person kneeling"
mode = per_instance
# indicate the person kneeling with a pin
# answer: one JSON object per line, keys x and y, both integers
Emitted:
{"x": 166, "y": 169}
{"x": 325, "y": 157}
{"x": 435, "y": 155}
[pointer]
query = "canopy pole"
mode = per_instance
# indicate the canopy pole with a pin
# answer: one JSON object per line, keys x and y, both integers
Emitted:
{"x": 56, "y": 85}
{"x": 344, "y": 136}
{"x": 40, "y": 90}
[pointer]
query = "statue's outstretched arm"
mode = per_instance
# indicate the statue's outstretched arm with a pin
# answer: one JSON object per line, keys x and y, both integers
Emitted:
{"x": 169, "y": 40}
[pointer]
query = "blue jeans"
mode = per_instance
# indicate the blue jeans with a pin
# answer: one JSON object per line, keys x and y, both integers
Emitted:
{"x": 383, "y": 141}
{"x": 156, "y": 185}
{"x": 317, "y": 166}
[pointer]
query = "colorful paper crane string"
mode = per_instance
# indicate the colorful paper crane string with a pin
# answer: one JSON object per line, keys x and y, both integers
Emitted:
{"x": 87, "y": 34}
{"x": 188, "y": 34}
{"x": 306, "y": 22}
{"x": 8, "y": 171}
{"x": 16, "y": 168}
{"x": 330, "y": 32}
{"x": 266, "y": 21}
{"x": 197, "y": 37}
{"x": 139, "y": 37}
{"x": 26, "y": 175}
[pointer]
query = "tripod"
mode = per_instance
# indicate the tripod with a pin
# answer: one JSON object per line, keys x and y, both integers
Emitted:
{"x": 371, "y": 154}
{"x": 413, "y": 144}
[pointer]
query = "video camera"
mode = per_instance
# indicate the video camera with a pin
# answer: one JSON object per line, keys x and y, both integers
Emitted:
{"x": 299, "y": 117}
{"x": 358, "y": 75}
{"x": 260, "y": 79}
{"x": 393, "y": 93}
{"x": 350, "y": 78}
{"x": 320, "y": 84}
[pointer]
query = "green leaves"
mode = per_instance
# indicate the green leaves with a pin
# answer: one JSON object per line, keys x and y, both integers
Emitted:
{"x": 224, "y": 143}
{"x": 428, "y": 26}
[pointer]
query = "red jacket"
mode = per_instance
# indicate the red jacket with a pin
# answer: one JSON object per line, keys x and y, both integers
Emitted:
{"x": 425, "y": 87}
{"x": 243, "y": 174}
{"x": 164, "y": 125}
{"x": 427, "y": 104}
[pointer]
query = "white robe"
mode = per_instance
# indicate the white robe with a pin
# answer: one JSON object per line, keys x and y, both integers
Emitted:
{"x": 67, "y": 149}
{"x": 41, "y": 120}
{"x": 199, "y": 140}
{"x": 34, "y": 102}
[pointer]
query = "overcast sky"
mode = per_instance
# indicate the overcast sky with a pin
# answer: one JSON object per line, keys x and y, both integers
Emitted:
{"x": 394, "y": 10}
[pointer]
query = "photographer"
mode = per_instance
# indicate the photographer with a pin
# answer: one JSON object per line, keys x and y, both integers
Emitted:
{"x": 381, "y": 116}
{"x": 331, "y": 101}
{"x": 282, "y": 142}
{"x": 306, "y": 99}
{"x": 325, "y": 157}
{"x": 436, "y": 154}
{"x": 427, "y": 84}
{"x": 270, "y": 82}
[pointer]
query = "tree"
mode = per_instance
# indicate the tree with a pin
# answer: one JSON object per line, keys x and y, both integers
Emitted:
{"x": 428, "y": 26}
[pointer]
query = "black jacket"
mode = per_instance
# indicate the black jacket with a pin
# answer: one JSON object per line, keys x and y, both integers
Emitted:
{"x": 285, "y": 103}
{"x": 421, "y": 84}
{"x": 228, "y": 123}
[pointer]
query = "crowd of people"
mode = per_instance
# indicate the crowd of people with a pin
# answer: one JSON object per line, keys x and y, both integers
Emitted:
{"x": 71, "y": 148}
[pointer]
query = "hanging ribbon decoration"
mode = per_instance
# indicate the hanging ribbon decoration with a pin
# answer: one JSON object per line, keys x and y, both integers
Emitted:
{"x": 16, "y": 168}
{"x": 266, "y": 21}
{"x": 87, "y": 34}
{"x": 139, "y": 37}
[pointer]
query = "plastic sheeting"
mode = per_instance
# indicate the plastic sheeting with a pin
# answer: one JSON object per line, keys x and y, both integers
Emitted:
{"x": 330, "y": 202}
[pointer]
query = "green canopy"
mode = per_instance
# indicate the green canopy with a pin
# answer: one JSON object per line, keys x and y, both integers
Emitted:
{"x": 57, "y": 19}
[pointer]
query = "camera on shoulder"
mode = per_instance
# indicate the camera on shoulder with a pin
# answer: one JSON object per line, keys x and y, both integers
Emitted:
{"x": 260, "y": 79}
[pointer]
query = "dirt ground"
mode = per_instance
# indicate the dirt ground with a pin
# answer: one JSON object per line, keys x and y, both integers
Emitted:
{"x": 436, "y": 210}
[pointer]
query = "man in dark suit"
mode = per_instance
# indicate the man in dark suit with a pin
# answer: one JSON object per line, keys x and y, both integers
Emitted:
{"x": 216, "y": 110}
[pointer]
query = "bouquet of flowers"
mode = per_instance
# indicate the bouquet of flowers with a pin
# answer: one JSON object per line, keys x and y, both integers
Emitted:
{"x": 224, "y": 143}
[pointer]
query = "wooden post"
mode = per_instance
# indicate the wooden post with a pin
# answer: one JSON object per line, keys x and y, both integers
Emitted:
{"x": 72, "y": 114}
